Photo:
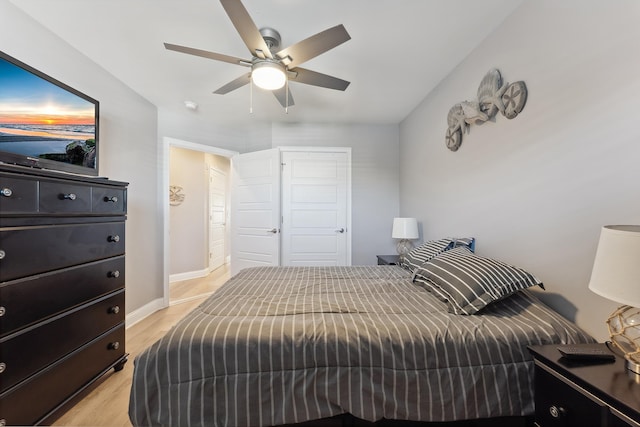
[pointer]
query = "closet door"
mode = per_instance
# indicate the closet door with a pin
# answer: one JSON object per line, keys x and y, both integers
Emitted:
{"x": 315, "y": 208}
{"x": 255, "y": 210}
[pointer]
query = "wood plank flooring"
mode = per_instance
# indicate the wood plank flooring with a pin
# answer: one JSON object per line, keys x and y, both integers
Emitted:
{"x": 108, "y": 403}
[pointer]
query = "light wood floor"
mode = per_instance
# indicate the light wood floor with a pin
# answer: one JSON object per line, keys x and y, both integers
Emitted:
{"x": 108, "y": 403}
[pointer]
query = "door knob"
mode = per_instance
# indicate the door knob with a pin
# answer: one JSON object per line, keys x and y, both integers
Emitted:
{"x": 341, "y": 230}
{"x": 273, "y": 230}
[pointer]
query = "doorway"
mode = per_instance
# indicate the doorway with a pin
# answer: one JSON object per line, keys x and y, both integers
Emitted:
{"x": 190, "y": 249}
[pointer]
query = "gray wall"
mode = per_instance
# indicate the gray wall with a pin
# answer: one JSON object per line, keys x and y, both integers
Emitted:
{"x": 128, "y": 141}
{"x": 535, "y": 190}
{"x": 188, "y": 221}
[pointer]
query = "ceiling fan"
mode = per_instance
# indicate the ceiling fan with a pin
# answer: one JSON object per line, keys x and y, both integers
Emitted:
{"x": 272, "y": 68}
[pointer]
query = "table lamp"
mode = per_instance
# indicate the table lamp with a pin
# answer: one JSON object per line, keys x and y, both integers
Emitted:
{"x": 616, "y": 276}
{"x": 404, "y": 229}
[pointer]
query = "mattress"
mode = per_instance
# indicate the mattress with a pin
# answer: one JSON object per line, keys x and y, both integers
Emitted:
{"x": 279, "y": 345}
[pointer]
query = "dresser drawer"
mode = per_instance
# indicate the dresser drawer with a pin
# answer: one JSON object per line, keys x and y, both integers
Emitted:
{"x": 33, "y": 250}
{"x": 559, "y": 404}
{"x": 109, "y": 200}
{"x": 29, "y": 300}
{"x": 18, "y": 195}
{"x": 64, "y": 198}
{"x": 28, "y": 402}
{"x": 32, "y": 349}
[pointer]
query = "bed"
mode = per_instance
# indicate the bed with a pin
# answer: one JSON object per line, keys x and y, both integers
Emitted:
{"x": 286, "y": 345}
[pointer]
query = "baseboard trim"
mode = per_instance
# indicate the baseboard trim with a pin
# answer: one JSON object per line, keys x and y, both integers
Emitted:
{"x": 189, "y": 275}
{"x": 144, "y": 311}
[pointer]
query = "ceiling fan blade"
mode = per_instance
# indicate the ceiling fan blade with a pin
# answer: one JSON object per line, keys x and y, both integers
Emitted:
{"x": 281, "y": 96}
{"x": 313, "y": 46}
{"x": 207, "y": 54}
{"x": 302, "y": 75}
{"x": 234, "y": 84}
{"x": 246, "y": 28}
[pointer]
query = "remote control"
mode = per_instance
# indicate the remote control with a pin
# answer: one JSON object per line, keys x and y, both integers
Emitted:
{"x": 586, "y": 353}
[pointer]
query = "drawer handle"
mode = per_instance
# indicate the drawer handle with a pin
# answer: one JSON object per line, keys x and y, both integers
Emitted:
{"x": 70, "y": 196}
{"x": 3, "y": 311}
{"x": 113, "y": 199}
{"x": 2, "y": 254}
{"x": 6, "y": 192}
{"x": 114, "y": 274}
{"x": 114, "y": 310}
{"x": 114, "y": 345}
{"x": 3, "y": 367}
{"x": 557, "y": 411}
{"x": 115, "y": 238}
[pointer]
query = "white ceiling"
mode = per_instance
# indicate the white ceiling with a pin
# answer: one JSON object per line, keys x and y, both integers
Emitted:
{"x": 399, "y": 50}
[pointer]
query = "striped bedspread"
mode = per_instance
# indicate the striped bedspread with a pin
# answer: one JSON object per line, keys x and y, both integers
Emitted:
{"x": 278, "y": 345}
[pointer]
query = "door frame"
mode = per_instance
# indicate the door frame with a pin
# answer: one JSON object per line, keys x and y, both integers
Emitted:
{"x": 167, "y": 143}
{"x": 346, "y": 150}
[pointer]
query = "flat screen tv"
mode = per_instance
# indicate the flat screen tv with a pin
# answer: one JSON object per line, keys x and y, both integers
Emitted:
{"x": 44, "y": 123}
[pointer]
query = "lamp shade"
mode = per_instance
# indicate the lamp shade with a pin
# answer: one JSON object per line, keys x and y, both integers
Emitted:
{"x": 405, "y": 228}
{"x": 616, "y": 268}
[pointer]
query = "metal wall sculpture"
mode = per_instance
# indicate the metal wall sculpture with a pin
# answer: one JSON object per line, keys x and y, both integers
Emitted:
{"x": 493, "y": 96}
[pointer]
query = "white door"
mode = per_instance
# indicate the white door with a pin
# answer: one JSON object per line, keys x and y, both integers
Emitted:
{"x": 217, "y": 217}
{"x": 255, "y": 208}
{"x": 315, "y": 214}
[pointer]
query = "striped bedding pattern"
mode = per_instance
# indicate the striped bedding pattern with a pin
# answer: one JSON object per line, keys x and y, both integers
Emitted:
{"x": 278, "y": 345}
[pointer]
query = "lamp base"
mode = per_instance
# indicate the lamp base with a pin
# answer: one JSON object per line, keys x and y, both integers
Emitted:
{"x": 632, "y": 366}
{"x": 624, "y": 329}
{"x": 403, "y": 247}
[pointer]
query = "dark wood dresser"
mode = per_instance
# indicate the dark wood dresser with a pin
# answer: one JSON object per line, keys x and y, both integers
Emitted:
{"x": 62, "y": 289}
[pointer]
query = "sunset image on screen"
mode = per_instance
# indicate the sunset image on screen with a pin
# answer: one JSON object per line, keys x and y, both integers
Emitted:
{"x": 41, "y": 118}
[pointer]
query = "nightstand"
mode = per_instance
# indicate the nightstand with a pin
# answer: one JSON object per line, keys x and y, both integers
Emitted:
{"x": 583, "y": 394}
{"x": 388, "y": 259}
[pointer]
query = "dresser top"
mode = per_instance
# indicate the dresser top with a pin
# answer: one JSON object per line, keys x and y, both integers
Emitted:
{"x": 40, "y": 173}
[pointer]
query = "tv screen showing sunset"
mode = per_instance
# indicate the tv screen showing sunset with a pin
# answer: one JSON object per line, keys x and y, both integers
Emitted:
{"x": 43, "y": 120}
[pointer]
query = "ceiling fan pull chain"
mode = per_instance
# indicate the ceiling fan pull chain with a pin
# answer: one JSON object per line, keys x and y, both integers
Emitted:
{"x": 250, "y": 94}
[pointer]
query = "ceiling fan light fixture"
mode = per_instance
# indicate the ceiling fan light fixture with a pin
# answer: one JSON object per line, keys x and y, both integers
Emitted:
{"x": 268, "y": 75}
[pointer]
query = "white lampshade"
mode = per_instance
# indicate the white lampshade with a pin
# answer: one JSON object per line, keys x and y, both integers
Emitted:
{"x": 405, "y": 228}
{"x": 616, "y": 268}
{"x": 268, "y": 75}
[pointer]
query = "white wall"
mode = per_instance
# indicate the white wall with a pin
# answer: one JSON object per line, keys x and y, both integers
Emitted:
{"x": 535, "y": 190}
{"x": 374, "y": 177}
{"x": 128, "y": 141}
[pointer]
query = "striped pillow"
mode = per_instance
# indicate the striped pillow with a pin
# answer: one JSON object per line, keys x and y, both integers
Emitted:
{"x": 426, "y": 251}
{"x": 423, "y": 253}
{"x": 470, "y": 282}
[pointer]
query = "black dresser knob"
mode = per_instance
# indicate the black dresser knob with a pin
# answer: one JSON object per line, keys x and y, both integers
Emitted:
{"x": 114, "y": 239}
{"x": 6, "y": 192}
{"x": 113, "y": 274}
{"x": 2, "y": 254}
{"x": 113, "y": 199}
{"x": 3, "y": 311}
{"x": 70, "y": 196}
{"x": 114, "y": 345}
{"x": 3, "y": 367}
{"x": 557, "y": 411}
{"x": 114, "y": 310}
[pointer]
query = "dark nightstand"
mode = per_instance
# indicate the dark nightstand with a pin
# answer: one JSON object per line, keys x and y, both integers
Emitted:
{"x": 388, "y": 259}
{"x": 583, "y": 394}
